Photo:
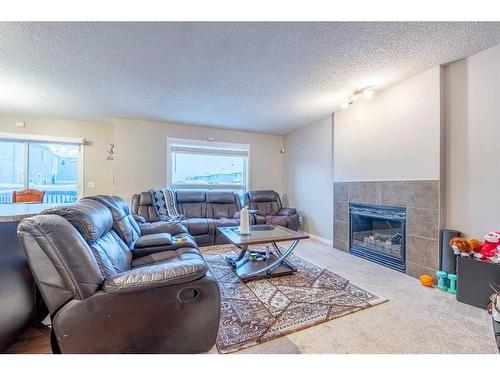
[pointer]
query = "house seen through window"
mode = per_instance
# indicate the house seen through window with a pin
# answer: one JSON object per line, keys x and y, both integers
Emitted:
{"x": 45, "y": 166}
{"x": 207, "y": 165}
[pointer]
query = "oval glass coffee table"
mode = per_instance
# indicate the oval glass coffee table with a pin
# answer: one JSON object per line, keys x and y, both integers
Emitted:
{"x": 275, "y": 263}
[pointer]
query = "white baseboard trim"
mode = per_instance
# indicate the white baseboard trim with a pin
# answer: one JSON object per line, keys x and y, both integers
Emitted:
{"x": 326, "y": 241}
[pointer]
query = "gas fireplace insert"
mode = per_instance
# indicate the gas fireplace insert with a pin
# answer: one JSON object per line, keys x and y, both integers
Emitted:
{"x": 378, "y": 233}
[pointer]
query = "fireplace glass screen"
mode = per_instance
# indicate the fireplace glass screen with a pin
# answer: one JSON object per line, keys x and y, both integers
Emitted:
{"x": 377, "y": 233}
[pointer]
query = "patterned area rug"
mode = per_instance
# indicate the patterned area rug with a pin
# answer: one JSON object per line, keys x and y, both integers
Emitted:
{"x": 262, "y": 310}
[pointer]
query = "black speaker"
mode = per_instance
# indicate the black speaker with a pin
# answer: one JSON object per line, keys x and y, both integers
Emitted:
{"x": 447, "y": 260}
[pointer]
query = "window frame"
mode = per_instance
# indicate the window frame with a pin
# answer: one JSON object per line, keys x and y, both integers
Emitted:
{"x": 26, "y": 139}
{"x": 208, "y": 146}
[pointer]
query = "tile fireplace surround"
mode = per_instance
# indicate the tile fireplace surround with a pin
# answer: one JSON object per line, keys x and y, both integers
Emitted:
{"x": 421, "y": 200}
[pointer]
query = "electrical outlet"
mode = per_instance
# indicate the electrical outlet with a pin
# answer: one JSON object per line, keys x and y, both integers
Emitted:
{"x": 91, "y": 185}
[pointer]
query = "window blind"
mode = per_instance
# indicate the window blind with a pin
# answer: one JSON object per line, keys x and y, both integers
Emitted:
{"x": 207, "y": 151}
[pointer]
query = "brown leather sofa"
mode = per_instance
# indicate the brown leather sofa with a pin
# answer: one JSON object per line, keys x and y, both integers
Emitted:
{"x": 268, "y": 209}
{"x": 204, "y": 212}
{"x": 144, "y": 238}
{"x": 107, "y": 294}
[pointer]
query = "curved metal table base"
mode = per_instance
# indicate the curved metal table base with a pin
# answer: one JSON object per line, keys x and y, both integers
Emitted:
{"x": 275, "y": 265}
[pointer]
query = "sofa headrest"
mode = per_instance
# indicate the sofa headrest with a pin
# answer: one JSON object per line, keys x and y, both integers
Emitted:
{"x": 114, "y": 203}
{"x": 190, "y": 196}
{"x": 221, "y": 197}
{"x": 90, "y": 218}
{"x": 145, "y": 199}
{"x": 263, "y": 196}
{"x": 119, "y": 202}
{"x": 123, "y": 222}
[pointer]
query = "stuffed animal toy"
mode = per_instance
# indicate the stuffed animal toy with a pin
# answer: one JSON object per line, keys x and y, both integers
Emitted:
{"x": 461, "y": 246}
{"x": 496, "y": 257}
{"x": 476, "y": 244}
{"x": 490, "y": 244}
{"x": 476, "y": 247}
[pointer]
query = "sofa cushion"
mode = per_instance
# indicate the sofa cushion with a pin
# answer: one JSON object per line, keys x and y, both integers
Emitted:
{"x": 259, "y": 219}
{"x": 154, "y": 239}
{"x": 111, "y": 253}
{"x": 162, "y": 227}
{"x": 277, "y": 220}
{"x": 142, "y": 204}
{"x": 192, "y": 210}
{"x": 265, "y": 208}
{"x": 184, "y": 253}
{"x": 223, "y": 222}
{"x": 191, "y": 203}
{"x": 197, "y": 226}
{"x": 267, "y": 202}
{"x": 178, "y": 241}
{"x": 224, "y": 210}
{"x": 222, "y": 204}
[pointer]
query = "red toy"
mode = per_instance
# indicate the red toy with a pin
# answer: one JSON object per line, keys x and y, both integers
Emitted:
{"x": 490, "y": 244}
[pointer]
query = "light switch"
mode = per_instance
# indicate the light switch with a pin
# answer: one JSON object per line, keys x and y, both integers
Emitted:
{"x": 91, "y": 185}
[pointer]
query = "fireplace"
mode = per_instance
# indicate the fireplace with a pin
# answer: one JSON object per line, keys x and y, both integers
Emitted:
{"x": 378, "y": 233}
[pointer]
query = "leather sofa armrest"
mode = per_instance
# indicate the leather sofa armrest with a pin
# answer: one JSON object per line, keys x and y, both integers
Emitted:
{"x": 139, "y": 219}
{"x": 286, "y": 211}
{"x": 155, "y": 276}
{"x": 163, "y": 227}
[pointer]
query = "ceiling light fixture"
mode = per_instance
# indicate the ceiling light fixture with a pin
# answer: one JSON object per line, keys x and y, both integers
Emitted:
{"x": 366, "y": 92}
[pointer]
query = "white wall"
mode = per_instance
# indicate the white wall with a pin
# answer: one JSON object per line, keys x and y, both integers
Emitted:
{"x": 308, "y": 181}
{"x": 393, "y": 136}
{"x": 141, "y": 154}
{"x": 98, "y": 134}
{"x": 472, "y": 92}
{"x": 141, "y": 151}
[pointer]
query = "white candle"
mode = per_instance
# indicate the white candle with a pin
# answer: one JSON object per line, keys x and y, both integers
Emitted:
{"x": 244, "y": 221}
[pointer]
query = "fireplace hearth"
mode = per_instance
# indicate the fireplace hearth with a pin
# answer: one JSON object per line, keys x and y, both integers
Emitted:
{"x": 378, "y": 233}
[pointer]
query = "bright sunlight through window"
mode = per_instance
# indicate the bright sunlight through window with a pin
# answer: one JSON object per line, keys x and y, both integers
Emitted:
{"x": 208, "y": 165}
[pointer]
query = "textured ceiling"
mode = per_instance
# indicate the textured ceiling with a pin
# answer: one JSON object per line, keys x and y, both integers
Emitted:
{"x": 265, "y": 77}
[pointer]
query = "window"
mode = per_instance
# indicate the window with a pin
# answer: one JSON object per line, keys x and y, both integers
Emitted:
{"x": 53, "y": 167}
{"x": 208, "y": 165}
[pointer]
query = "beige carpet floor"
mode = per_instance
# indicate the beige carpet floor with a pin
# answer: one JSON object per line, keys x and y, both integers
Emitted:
{"x": 414, "y": 320}
{"x": 261, "y": 310}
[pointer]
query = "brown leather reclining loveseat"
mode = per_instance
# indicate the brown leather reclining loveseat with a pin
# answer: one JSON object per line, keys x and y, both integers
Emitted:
{"x": 268, "y": 209}
{"x": 114, "y": 286}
